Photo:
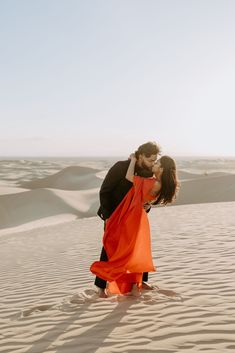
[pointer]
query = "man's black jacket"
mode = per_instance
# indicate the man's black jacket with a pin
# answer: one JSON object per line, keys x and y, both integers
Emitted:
{"x": 115, "y": 186}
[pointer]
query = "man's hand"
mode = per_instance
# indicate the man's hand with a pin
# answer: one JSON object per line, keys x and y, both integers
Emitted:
{"x": 147, "y": 206}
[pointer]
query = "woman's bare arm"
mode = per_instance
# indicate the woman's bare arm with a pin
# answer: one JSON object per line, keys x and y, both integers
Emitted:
{"x": 131, "y": 168}
{"x": 156, "y": 188}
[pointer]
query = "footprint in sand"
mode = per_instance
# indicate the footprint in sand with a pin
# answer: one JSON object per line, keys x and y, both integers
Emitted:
{"x": 86, "y": 296}
{"x": 39, "y": 308}
{"x": 167, "y": 292}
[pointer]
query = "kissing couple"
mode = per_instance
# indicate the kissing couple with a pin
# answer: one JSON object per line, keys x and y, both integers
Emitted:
{"x": 127, "y": 193}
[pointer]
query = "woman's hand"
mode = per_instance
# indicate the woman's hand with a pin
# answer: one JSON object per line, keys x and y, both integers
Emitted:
{"x": 147, "y": 206}
{"x": 131, "y": 168}
{"x": 133, "y": 157}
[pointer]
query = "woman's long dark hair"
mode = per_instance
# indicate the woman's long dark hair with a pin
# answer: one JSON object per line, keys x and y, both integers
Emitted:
{"x": 170, "y": 184}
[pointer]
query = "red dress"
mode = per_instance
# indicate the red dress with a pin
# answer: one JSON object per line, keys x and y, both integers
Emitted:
{"x": 127, "y": 240}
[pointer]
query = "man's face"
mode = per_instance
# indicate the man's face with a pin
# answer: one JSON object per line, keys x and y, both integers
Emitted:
{"x": 147, "y": 162}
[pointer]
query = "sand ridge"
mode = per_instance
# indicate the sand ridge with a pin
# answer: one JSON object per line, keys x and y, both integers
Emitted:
{"x": 69, "y": 178}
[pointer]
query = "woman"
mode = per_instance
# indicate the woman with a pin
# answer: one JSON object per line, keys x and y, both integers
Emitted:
{"x": 127, "y": 233}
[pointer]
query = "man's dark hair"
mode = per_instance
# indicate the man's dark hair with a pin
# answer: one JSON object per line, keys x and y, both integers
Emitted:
{"x": 148, "y": 149}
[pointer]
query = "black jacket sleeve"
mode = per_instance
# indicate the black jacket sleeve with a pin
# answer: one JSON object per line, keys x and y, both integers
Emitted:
{"x": 115, "y": 175}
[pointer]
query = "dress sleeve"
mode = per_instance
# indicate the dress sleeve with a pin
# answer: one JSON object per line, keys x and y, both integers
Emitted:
{"x": 143, "y": 186}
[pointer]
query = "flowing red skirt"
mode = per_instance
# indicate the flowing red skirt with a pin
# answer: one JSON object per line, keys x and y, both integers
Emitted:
{"x": 127, "y": 240}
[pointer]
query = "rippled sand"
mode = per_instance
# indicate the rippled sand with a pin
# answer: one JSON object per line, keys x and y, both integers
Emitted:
{"x": 49, "y": 304}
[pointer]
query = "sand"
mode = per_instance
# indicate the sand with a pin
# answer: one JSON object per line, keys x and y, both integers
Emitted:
{"x": 49, "y": 236}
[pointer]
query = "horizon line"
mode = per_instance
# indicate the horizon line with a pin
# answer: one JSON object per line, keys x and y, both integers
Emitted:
{"x": 111, "y": 156}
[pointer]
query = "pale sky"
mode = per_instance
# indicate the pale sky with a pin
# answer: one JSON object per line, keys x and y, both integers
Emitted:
{"x": 100, "y": 77}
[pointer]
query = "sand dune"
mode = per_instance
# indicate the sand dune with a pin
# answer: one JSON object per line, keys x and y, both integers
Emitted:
{"x": 183, "y": 175}
{"x": 70, "y": 178}
{"x": 6, "y": 190}
{"x": 48, "y": 302}
{"x": 211, "y": 188}
{"x": 74, "y": 193}
{"x": 34, "y": 205}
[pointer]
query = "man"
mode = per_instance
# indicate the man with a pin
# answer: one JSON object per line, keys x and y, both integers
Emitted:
{"x": 115, "y": 187}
